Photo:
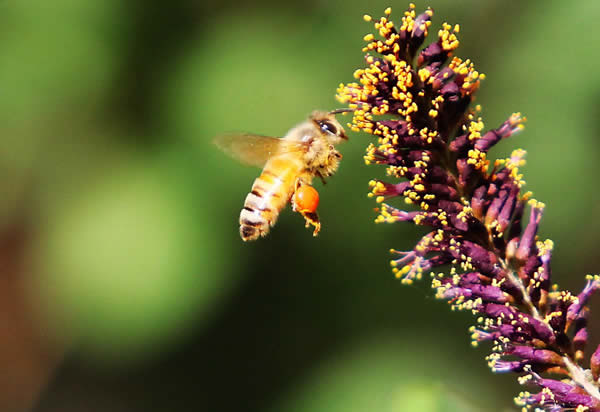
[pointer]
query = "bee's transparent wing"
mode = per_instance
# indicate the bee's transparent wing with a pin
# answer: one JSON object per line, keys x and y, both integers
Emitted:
{"x": 255, "y": 150}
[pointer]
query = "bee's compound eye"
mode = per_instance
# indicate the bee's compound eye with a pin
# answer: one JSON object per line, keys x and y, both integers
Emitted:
{"x": 306, "y": 198}
{"x": 328, "y": 127}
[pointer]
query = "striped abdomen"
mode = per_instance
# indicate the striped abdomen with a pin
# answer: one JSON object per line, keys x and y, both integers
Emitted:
{"x": 270, "y": 193}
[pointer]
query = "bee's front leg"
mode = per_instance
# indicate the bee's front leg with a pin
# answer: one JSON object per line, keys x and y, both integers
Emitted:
{"x": 334, "y": 153}
{"x": 305, "y": 201}
{"x": 321, "y": 177}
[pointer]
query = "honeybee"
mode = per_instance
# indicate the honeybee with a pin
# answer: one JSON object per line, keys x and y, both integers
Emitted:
{"x": 290, "y": 164}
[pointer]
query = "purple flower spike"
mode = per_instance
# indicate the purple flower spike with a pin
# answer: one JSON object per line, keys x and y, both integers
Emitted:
{"x": 416, "y": 101}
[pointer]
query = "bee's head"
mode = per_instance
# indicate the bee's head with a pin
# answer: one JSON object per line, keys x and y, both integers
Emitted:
{"x": 329, "y": 126}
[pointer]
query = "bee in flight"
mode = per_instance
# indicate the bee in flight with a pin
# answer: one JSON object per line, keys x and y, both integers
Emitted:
{"x": 289, "y": 166}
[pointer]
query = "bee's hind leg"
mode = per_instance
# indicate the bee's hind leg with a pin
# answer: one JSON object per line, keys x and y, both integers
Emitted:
{"x": 305, "y": 201}
{"x": 312, "y": 218}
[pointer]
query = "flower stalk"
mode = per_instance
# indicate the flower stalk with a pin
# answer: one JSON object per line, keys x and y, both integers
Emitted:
{"x": 417, "y": 102}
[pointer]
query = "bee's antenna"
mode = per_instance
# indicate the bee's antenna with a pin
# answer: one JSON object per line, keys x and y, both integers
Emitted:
{"x": 338, "y": 111}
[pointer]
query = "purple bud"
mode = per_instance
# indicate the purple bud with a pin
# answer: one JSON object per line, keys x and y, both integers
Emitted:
{"x": 543, "y": 356}
{"x": 461, "y": 145}
{"x": 508, "y": 128}
{"x": 465, "y": 171}
{"x": 595, "y": 363}
{"x": 495, "y": 206}
{"x": 528, "y": 238}
{"x": 483, "y": 259}
{"x": 434, "y": 53}
{"x": 508, "y": 209}
{"x": 502, "y": 366}
{"x": 576, "y": 307}
{"x": 400, "y": 215}
{"x": 579, "y": 342}
{"x": 443, "y": 191}
{"x": 487, "y": 141}
{"x": 417, "y": 36}
{"x": 478, "y": 201}
{"x": 515, "y": 227}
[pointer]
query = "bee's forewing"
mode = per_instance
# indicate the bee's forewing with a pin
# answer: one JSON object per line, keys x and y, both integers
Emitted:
{"x": 254, "y": 150}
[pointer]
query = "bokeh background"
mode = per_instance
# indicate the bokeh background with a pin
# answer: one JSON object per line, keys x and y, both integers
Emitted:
{"x": 125, "y": 286}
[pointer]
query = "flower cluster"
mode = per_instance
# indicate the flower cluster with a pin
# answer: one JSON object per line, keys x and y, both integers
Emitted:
{"x": 417, "y": 102}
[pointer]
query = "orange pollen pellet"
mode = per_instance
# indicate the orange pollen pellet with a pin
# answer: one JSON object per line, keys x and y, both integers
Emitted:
{"x": 306, "y": 199}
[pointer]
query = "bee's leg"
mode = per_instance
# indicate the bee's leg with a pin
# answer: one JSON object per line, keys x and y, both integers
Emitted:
{"x": 312, "y": 218}
{"x": 321, "y": 177}
{"x": 305, "y": 202}
{"x": 333, "y": 152}
{"x": 297, "y": 185}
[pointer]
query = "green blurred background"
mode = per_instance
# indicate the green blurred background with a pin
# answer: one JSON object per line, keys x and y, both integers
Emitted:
{"x": 125, "y": 286}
